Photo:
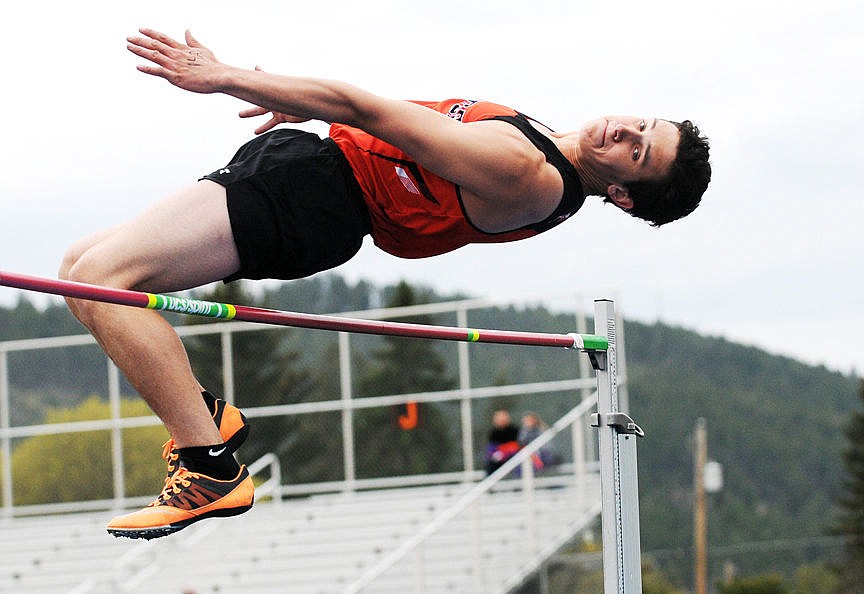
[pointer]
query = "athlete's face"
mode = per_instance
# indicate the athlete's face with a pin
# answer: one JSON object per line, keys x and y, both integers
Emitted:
{"x": 618, "y": 149}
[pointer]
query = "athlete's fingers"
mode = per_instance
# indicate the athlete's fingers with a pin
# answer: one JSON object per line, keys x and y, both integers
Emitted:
{"x": 154, "y": 50}
{"x": 253, "y": 112}
{"x": 191, "y": 41}
{"x": 171, "y": 49}
{"x": 161, "y": 37}
{"x": 153, "y": 55}
{"x": 269, "y": 125}
{"x": 152, "y": 70}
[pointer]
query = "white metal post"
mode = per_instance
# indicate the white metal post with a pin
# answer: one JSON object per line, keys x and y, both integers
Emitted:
{"x": 116, "y": 434}
{"x": 349, "y": 464}
{"x": 465, "y": 402}
{"x": 5, "y": 422}
{"x": 622, "y": 573}
{"x": 227, "y": 367}
{"x": 527, "y": 469}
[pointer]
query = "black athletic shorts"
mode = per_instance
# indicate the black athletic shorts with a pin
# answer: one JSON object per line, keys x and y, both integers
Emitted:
{"x": 294, "y": 204}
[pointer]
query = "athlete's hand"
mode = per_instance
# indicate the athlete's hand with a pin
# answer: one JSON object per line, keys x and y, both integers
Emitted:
{"x": 276, "y": 117}
{"x": 190, "y": 66}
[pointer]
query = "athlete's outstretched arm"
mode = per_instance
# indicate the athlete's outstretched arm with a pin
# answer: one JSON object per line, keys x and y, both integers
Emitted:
{"x": 490, "y": 161}
{"x": 193, "y": 67}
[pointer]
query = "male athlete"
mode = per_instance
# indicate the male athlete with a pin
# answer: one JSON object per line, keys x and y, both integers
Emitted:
{"x": 420, "y": 178}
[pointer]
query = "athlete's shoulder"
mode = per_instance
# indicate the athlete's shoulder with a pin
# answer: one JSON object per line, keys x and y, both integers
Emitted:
{"x": 468, "y": 110}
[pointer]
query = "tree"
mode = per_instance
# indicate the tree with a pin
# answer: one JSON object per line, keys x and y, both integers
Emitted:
{"x": 45, "y": 378}
{"x": 404, "y": 366}
{"x": 77, "y": 466}
{"x": 850, "y": 517}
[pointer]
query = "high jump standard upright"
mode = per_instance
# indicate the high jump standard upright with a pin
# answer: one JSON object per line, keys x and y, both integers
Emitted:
{"x": 622, "y": 570}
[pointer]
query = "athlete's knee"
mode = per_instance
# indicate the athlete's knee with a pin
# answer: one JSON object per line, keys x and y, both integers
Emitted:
{"x": 70, "y": 258}
{"x": 69, "y": 270}
{"x": 94, "y": 270}
{"x": 84, "y": 262}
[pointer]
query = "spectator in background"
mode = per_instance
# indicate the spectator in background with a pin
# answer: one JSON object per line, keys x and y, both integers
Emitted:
{"x": 503, "y": 441}
{"x": 532, "y": 427}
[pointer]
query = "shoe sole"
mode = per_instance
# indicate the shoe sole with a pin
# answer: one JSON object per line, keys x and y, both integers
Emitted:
{"x": 160, "y": 531}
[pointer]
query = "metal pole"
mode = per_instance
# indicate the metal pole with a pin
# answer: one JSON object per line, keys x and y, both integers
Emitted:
{"x": 227, "y": 367}
{"x": 622, "y": 572}
{"x": 699, "y": 516}
{"x": 5, "y": 422}
{"x": 116, "y": 434}
{"x": 465, "y": 402}
{"x": 527, "y": 468}
{"x": 348, "y": 459}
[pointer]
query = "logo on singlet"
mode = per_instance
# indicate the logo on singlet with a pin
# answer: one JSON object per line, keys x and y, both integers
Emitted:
{"x": 458, "y": 110}
{"x": 406, "y": 181}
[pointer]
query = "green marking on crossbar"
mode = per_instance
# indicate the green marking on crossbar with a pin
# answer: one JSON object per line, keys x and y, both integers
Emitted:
{"x": 191, "y": 306}
{"x": 594, "y": 342}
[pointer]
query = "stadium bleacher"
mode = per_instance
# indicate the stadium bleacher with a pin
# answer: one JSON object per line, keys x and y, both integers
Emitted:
{"x": 314, "y": 545}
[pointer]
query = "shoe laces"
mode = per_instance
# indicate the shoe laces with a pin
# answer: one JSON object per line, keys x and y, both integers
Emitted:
{"x": 170, "y": 454}
{"x": 174, "y": 485}
{"x": 166, "y": 449}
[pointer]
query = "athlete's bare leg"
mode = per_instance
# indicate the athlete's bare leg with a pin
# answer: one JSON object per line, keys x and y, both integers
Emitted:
{"x": 181, "y": 242}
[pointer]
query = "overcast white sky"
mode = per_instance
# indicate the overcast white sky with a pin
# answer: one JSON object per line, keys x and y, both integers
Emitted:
{"x": 772, "y": 258}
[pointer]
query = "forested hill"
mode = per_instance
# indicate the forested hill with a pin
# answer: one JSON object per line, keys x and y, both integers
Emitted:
{"x": 774, "y": 423}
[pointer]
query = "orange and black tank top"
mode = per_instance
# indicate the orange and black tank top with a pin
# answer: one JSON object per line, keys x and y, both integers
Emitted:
{"x": 417, "y": 214}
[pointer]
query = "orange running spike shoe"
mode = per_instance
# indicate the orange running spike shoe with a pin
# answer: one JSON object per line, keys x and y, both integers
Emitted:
{"x": 233, "y": 427}
{"x": 187, "y": 498}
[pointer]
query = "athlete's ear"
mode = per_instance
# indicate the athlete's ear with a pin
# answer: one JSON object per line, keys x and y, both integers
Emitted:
{"x": 620, "y": 196}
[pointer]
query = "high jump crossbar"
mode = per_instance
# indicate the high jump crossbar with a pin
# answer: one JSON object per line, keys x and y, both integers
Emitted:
{"x": 225, "y": 311}
{"x": 617, "y": 431}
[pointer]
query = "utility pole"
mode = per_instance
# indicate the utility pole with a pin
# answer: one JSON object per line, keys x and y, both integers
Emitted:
{"x": 699, "y": 516}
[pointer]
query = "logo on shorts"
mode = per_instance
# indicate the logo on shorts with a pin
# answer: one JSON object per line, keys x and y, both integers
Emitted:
{"x": 224, "y": 171}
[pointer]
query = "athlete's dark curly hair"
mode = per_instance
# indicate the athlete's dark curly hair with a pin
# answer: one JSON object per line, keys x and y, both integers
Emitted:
{"x": 676, "y": 196}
